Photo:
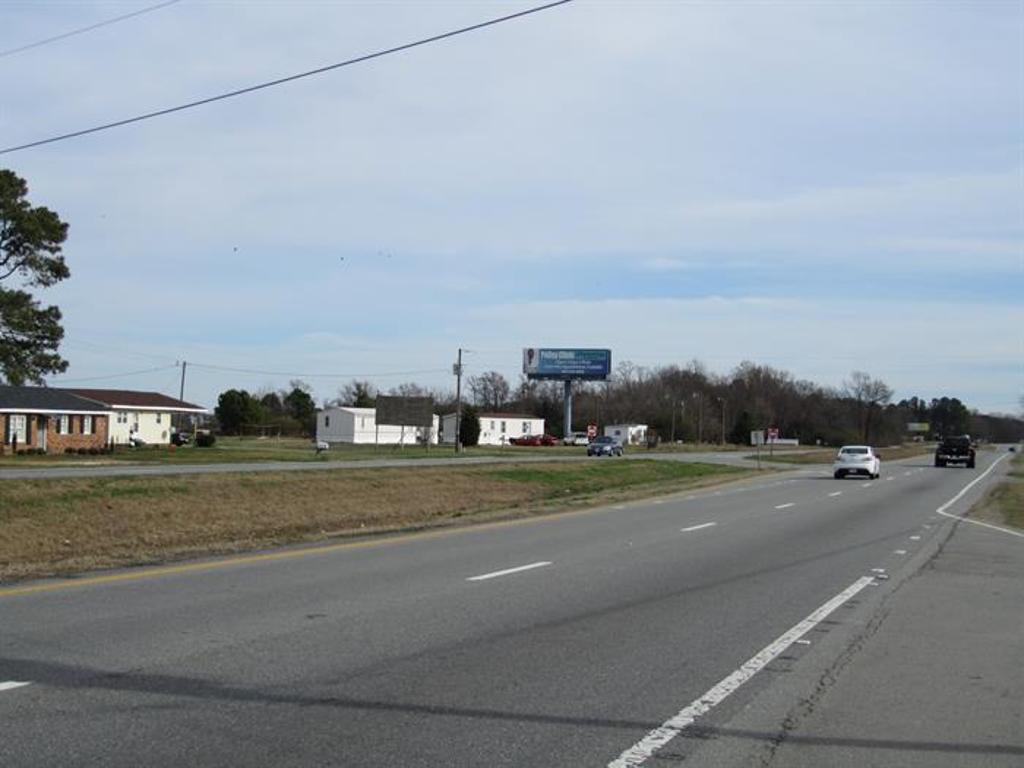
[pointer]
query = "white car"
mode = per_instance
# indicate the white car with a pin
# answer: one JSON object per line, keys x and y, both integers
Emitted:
{"x": 577, "y": 438}
{"x": 857, "y": 460}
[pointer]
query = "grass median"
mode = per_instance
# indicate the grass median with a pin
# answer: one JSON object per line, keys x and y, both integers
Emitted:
{"x": 65, "y": 526}
{"x": 828, "y": 455}
{"x": 1004, "y": 504}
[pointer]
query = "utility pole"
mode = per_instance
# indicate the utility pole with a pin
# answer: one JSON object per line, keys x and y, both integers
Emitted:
{"x": 721, "y": 402}
{"x": 700, "y": 417}
{"x": 181, "y": 391}
{"x": 457, "y": 370}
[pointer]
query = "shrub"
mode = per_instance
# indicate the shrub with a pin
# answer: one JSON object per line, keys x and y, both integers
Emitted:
{"x": 94, "y": 451}
{"x": 69, "y": 450}
{"x": 205, "y": 439}
{"x": 83, "y": 451}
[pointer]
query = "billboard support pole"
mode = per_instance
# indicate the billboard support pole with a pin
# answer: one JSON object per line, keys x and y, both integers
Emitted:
{"x": 567, "y": 407}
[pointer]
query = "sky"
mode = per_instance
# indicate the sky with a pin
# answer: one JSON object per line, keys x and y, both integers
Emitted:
{"x": 820, "y": 187}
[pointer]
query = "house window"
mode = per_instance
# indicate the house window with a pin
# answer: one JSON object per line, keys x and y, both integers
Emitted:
{"x": 122, "y": 417}
{"x": 87, "y": 425}
{"x": 327, "y": 421}
{"x": 526, "y": 427}
{"x": 503, "y": 430}
{"x": 492, "y": 425}
{"x": 16, "y": 428}
{"x": 63, "y": 424}
{"x": 362, "y": 422}
{"x": 158, "y": 417}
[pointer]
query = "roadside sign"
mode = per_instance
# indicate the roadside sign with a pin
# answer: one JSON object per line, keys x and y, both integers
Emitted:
{"x": 773, "y": 433}
{"x": 591, "y": 431}
{"x": 757, "y": 437}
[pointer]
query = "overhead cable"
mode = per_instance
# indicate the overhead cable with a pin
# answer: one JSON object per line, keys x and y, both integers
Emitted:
{"x": 288, "y": 79}
{"x": 97, "y": 25}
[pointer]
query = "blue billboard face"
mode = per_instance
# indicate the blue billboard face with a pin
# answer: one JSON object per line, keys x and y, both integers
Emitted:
{"x": 564, "y": 364}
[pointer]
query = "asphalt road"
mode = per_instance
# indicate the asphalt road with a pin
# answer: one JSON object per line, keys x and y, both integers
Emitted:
{"x": 584, "y": 639}
{"x": 147, "y": 470}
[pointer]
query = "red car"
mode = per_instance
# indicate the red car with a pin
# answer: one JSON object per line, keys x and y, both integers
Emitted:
{"x": 534, "y": 440}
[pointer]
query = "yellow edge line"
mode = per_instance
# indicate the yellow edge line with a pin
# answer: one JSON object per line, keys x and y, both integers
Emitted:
{"x": 397, "y": 538}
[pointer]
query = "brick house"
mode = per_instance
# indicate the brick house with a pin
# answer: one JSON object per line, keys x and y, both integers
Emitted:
{"x": 53, "y": 420}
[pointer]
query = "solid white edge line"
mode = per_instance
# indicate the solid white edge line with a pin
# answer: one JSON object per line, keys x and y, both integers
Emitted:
{"x": 942, "y": 510}
{"x": 659, "y": 737}
{"x": 507, "y": 571}
{"x": 10, "y": 685}
{"x": 697, "y": 527}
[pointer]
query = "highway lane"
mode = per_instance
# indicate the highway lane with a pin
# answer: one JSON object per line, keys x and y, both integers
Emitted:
{"x": 592, "y": 629}
{"x": 442, "y": 458}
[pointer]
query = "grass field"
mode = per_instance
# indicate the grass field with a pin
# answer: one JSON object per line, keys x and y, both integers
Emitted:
{"x": 1004, "y": 504}
{"x": 72, "y": 525}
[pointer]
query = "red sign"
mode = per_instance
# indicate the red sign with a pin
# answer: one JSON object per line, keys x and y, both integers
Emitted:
{"x": 591, "y": 431}
{"x": 773, "y": 433}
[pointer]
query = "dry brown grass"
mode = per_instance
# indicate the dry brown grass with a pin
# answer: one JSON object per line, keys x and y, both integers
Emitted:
{"x": 1004, "y": 504}
{"x": 71, "y": 525}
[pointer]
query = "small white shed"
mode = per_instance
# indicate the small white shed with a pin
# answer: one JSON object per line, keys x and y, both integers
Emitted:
{"x": 342, "y": 424}
{"x": 627, "y": 434}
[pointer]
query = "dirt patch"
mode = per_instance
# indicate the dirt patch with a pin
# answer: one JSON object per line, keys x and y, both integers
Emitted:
{"x": 71, "y": 525}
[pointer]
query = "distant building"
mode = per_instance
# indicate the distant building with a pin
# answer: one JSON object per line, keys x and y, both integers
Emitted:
{"x": 145, "y": 416}
{"x": 627, "y": 434}
{"x": 53, "y": 420}
{"x": 342, "y": 424}
{"x": 496, "y": 428}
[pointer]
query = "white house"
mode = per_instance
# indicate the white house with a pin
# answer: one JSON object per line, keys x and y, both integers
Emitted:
{"x": 342, "y": 424}
{"x": 496, "y": 428}
{"x": 627, "y": 434}
{"x": 148, "y": 416}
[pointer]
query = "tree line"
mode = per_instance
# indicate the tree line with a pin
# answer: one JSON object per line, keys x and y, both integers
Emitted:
{"x": 678, "y": 402}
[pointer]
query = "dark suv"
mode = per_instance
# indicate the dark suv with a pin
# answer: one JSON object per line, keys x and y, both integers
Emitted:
{"x": 955, "y": 450}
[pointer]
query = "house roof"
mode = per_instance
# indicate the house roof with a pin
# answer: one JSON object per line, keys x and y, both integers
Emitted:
{"x": 46, "y": 400}
{"x": 129, "y": 398}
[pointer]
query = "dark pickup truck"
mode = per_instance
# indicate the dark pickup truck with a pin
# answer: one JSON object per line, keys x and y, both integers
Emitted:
{"x": 955, "y": 450}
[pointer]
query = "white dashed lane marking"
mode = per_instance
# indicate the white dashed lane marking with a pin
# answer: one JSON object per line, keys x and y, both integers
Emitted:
{"x": 10, "y": 685}
{"x": 836, "y": 493}
{"x": 900, "y": 552}
{"x": 785, "y": 506}
{"x": 697, "y": 527}
{"x": 507, "y": 571}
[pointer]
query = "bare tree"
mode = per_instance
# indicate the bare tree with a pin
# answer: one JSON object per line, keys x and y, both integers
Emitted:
{"x": 490, "y": 390}
{"x": 870, "y": 395}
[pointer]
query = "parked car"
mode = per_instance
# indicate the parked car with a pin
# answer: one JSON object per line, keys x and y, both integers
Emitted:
{"x": 534, "y": 440}
{"x": 577, "y": 438}
{"x": 180, "y": 438}
{"x": 604, "y": 446}
{"x": 857, "y": 460}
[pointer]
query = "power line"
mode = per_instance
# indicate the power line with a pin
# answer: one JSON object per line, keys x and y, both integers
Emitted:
{"x": 117, "y": 375}
{"x": 255, "y": 372}
{"x": 82, "y": 30}
{"x": 289, "y": 78}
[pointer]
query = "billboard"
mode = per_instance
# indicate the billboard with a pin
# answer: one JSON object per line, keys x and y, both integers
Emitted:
{"x": 563, "y": 364}
{"x": 918, "y": 426}
{"x": 405, "y": 411}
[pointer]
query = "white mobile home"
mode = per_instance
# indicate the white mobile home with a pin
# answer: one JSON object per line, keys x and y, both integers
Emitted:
{"x": 342, "y": 424}
{"x": 627, "y": 434}
{"x": 497, "y": 428}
